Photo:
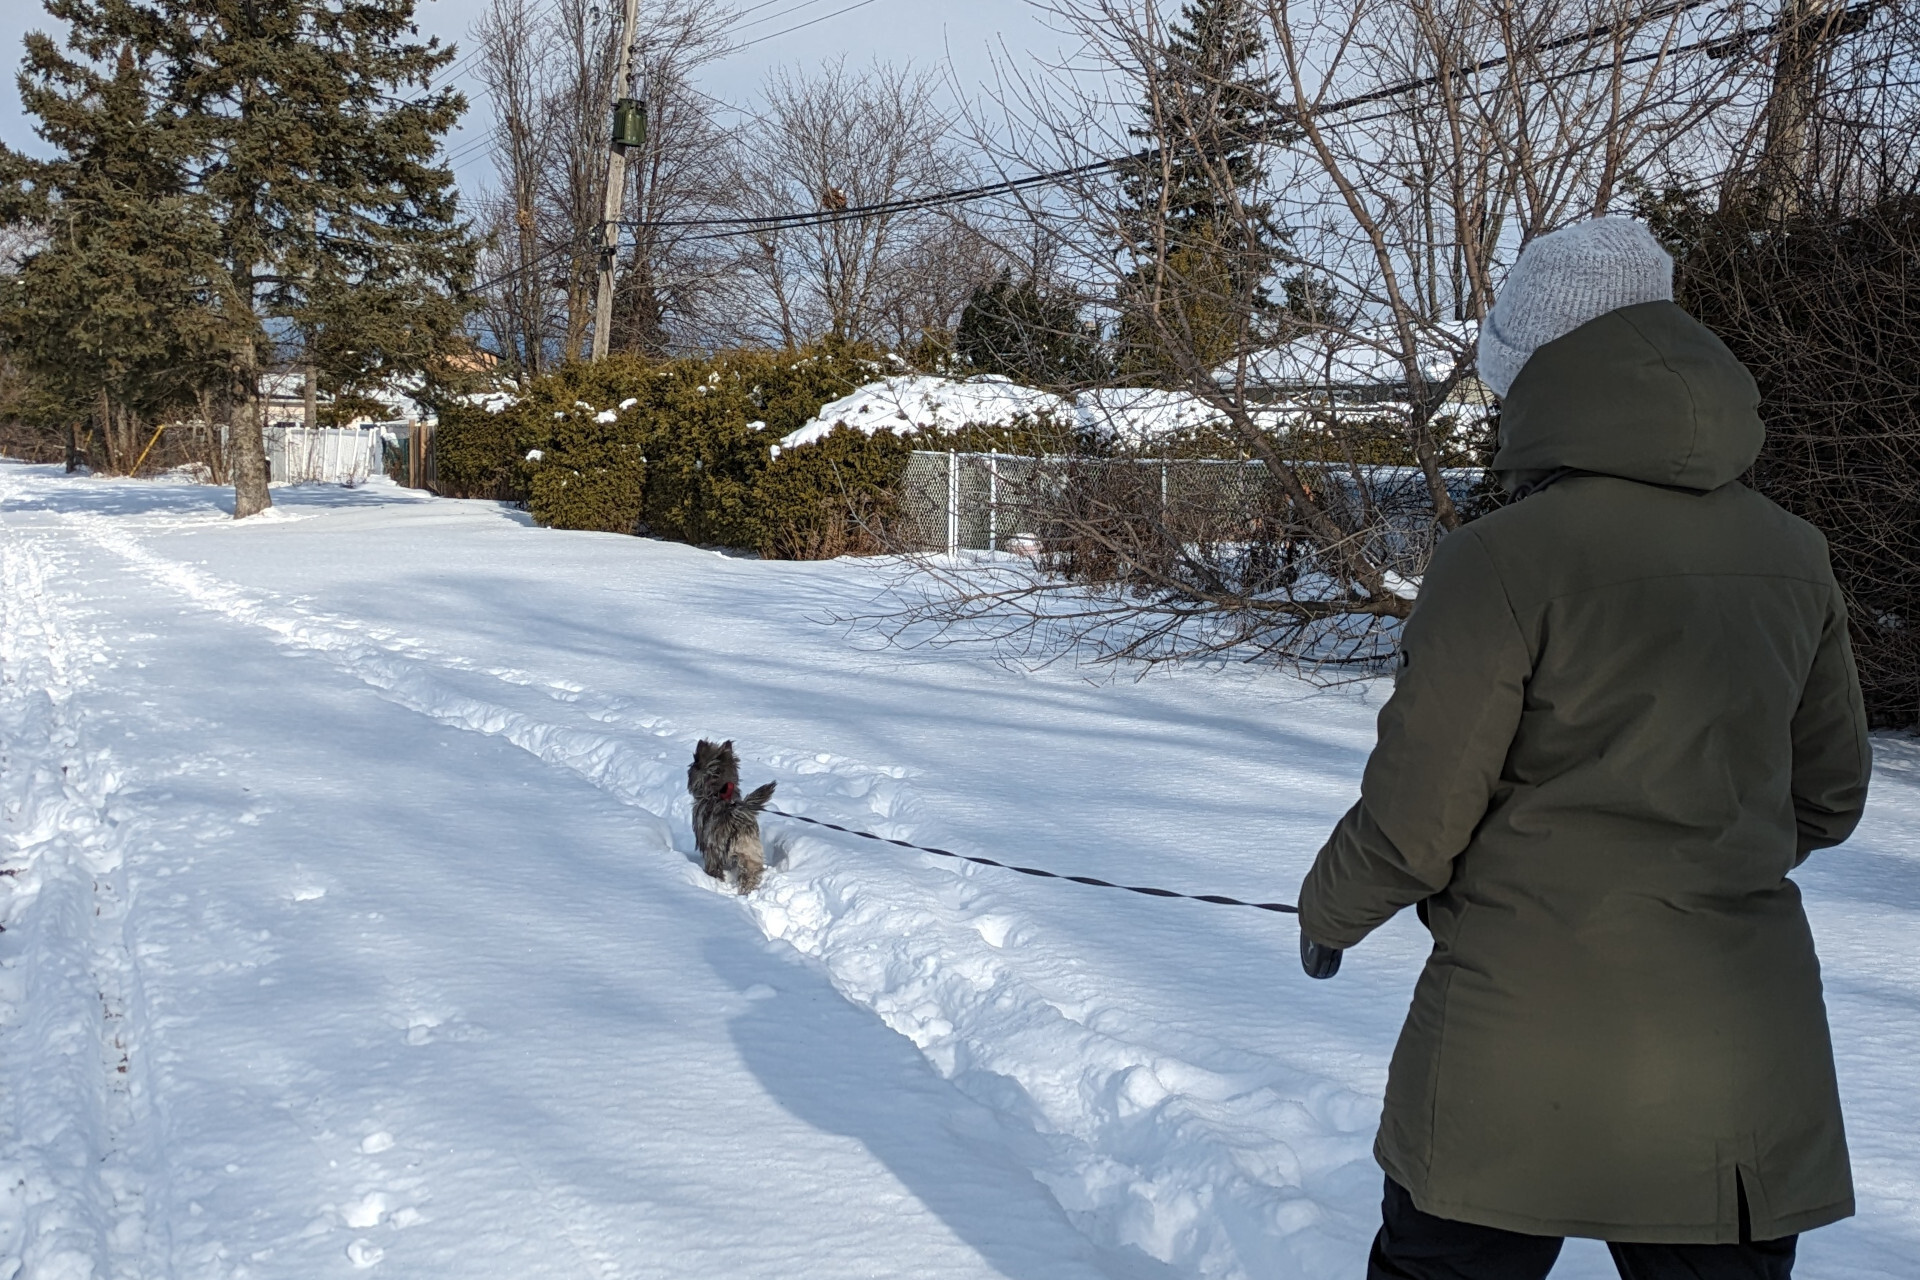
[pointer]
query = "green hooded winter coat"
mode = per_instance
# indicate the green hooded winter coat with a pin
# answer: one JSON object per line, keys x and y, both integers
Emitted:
{"x": 1625, "y": 709}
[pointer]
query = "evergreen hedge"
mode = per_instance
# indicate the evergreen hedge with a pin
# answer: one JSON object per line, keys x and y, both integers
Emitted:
{"x": 686, "y": 450}
{"x": 478, "y": 454}
{"x": 834, "y": 497}
{"x": 678, "y": 449}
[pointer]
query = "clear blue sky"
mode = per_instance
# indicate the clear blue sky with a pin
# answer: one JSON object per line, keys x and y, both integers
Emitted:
{"x": 923, "y": 32}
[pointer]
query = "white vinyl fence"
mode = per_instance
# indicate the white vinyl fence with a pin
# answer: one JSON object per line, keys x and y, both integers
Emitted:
{"x": 323, "y": 455}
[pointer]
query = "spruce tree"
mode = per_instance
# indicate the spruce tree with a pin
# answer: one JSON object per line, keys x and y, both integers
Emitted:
{"x": 116, "y": 314}
{"x": 306, "y": 134}
{"x": 1021, "y": 332}
{"x": 319, "y": 133}
{"x": 1196, "y": 222}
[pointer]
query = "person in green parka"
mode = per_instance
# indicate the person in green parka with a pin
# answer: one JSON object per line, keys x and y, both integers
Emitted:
{"x": 1625, "y": 709}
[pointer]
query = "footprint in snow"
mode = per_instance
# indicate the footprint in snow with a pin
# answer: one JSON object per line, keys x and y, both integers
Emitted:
{"x": 366, "y": 1212}
{"x": 995, "y": 930}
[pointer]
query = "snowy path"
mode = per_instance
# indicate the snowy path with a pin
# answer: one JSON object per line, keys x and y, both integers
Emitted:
{"x": 378, "y": 801}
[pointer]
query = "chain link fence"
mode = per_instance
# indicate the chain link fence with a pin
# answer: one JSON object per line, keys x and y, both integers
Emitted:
{"x": 953, "y": 502}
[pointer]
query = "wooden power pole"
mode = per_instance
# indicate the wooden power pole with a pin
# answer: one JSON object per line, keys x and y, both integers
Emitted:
{"x": 1806, "y": 34}
{"x": 616, "y": 201}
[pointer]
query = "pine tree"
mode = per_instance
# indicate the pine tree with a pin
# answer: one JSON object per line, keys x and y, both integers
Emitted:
{"x": 299, "y": 142}
{"x": 114, "y": 314}
{"x": 321, "y": 172}
{"x": 1034, "y": 337}
{"x": 1195, "y": 219}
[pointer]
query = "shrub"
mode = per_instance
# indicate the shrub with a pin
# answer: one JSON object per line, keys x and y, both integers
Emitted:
{"x": 586, "y": 460}
{"x": 1031, "y": 336}
{"x": 591, "y": 473}
{"x": 481, "y": 455}
{"x": 834, "y": 497}
{"x": 704, "y": 452}
{"x": 1825, "y": 311}
{"x": 788, "y": 390}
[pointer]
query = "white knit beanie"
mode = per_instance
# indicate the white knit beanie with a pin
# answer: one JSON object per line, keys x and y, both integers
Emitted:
{"x": 1563, "y": 280}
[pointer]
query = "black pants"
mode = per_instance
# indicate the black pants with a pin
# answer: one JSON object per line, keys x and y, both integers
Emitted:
{"x": 1418, "y": 1246}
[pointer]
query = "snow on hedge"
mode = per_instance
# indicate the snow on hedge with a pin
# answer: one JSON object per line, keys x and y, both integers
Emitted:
{"x": 910, "y": 405}
{"x": 914, "y": 403}
{"x": 1136, "y": 416}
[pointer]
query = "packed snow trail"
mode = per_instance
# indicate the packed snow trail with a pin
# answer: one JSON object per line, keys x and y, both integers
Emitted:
{"x": 69, "y": 998}
{"x": 413, "y": 1005}
{"x": 422, "y": 983}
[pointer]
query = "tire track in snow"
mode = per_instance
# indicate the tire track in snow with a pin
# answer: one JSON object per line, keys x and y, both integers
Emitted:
{"x": 75, "y": 1139}
{"x": 1211, "y": 1173}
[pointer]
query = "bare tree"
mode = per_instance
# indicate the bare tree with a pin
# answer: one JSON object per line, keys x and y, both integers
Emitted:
{"x": 1408, "y": 149}
{"x": 679, "y": 177}
{"x": 517, "y": 75}
{"x": 845, "y": 140}
{"x": 574, "y": 179}
{"x": 549, "y": 68}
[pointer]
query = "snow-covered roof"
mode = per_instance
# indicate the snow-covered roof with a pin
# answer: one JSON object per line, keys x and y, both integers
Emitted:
{"x": 1137, "y": 415}
{"x": 1358, "y": 358}
{"x": 910, "y": 404}
{"x": 397, "y": 395}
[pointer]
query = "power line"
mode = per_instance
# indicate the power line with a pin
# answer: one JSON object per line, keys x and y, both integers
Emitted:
{"x": 740, "y": 226}
{"x": 774, "y": 222}
{"x": 526, "y": 267}
{"x": 772, "y": 17}
{"x": 800, "y": 26}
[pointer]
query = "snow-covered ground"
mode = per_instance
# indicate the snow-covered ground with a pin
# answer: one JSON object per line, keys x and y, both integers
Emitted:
{"x": 351, "y": 924}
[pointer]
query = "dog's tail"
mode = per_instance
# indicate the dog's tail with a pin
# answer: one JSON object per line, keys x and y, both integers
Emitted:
{"x": 756, "y": 800}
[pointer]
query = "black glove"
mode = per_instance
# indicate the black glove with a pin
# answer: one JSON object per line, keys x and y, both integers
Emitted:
{"x": 1318, "y": 961}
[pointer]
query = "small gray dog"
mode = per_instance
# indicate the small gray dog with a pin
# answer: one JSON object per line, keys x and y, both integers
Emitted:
{"x": 726, "y": 824}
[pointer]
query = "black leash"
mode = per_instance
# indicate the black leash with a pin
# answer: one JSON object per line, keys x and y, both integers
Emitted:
{"x": 1219, "y": 900}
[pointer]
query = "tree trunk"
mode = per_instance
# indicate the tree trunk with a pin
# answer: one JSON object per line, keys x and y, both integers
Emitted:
{"x": 247, "y": 451}
{"x": 73, "y": 448}
{"x": 103, "y": 432}
{"x": 128, "y": 445}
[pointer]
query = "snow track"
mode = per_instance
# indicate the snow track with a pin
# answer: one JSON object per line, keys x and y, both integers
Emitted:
{"x": 1204, "y": 1172}
{"x": 75, "y": 1133}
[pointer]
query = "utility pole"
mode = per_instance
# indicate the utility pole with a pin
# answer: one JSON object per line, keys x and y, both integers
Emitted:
{"x": 616, "y": 201}
{"x": 1806, "y": 33}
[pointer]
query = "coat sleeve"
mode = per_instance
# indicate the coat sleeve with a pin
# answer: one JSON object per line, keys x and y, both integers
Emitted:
{"x": 1832, "y": 760}
{"x": 1444, "y": 736}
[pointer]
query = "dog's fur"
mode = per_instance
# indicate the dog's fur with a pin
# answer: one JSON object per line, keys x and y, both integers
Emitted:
{"x": 726, "y": 824}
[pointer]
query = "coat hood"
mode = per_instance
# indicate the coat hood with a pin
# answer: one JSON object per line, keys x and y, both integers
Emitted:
{"x": 1645, "y": 393}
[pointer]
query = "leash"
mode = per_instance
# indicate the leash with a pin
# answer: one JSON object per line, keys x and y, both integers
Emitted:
{"x": 1217, "y": 899}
